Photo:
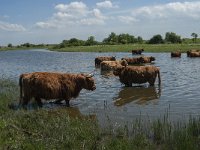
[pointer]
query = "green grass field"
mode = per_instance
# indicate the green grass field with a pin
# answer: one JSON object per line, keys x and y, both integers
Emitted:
{"x": 128, "y": 48}
{"x": 55, "y": 129}
{"x": 115, "y": 48}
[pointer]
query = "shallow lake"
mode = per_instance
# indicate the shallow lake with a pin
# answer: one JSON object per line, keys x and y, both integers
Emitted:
{"x": 178, "y": 96}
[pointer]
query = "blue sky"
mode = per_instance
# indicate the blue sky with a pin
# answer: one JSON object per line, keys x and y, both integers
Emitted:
{"x": 51, "y": 21}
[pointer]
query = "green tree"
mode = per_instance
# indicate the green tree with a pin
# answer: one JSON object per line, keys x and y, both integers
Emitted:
{"x": 75, "y": 42}
{"x": 156, "y": 39}
{"x": 111, "y": 39}
{"x": 123, "y": 39}
{"x": 10, "y": 45}
{"x": 91, "y": 41}
{"x": 171, "y": 37}
{"x": 194, "y": 35}
{"x": 139, "y": 39}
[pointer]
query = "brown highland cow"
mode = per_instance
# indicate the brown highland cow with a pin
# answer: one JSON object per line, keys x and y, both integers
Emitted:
{"x": 137, "y": 74}
{"x": 49, "y": 85}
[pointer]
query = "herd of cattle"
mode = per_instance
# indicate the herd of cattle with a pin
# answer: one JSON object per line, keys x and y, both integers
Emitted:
{"x": 190, "y": 53}
{"x": 65, "y": 86}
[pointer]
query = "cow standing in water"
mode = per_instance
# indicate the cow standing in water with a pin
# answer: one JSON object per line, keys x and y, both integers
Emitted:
{"x": 146, "y": 59}
{"x": 111, "y": 65}
{"x": 98, "y": 60}
{"x": 51, "y": 85}
{"x": 137, "y": 51}
{"x": 176, "y": 54}
{"x": 137, "y": 74}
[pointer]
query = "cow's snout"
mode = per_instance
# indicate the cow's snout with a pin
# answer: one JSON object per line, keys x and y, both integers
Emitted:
{"x": 93, "y": 88}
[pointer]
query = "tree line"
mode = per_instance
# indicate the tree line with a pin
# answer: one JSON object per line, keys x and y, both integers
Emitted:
{"x": 114, "y": 39}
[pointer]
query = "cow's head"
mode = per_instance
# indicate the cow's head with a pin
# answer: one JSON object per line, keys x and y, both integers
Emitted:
{"x": 152, "y": 58}
{"x": 124, "y": 62}
{"x": 113, "y": 58}
{"x": 89, "y": 83}
{"x": 118, "y": 70}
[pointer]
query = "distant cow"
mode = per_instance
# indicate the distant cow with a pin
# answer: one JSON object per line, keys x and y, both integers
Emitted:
{"x": 132, "y": 61}
{"x": 193, "y": 53}
{"x": 176, "y": 54}
{"x": 146, "y": 59}
{"x": 98, "y": 60}
{"x": 111, "y": 65}
{"x": 138, "y": 74}
{"x": 137, "y": 51}
{"x": 49, "y": 85}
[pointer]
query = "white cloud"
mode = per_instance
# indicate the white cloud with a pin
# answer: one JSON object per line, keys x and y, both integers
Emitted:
{"x": 11, "y": 27}
{"x": 175, "y": 9}
{"x": 76, "y": 8}
{"x": 106, "y": 4}
{"x": 127, "y": 19}
{"x": 97, "y": 13}
{"x": 91, "y": 21}
{"x": 74, "y": 13}
{"x": 45, "y": 25}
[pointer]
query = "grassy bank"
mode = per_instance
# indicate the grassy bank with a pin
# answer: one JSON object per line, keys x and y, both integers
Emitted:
{"x": 24, "y": 48}
{"x": 113, "y": 48}
{"x": 128, "y": 48}
{"x": 55, "y": 129}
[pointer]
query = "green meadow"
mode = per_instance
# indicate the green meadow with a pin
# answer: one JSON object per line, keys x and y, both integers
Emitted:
{"x": 54, "y": 129}
{"x": 128, "y": 47}
{"x": 157, "y": 48}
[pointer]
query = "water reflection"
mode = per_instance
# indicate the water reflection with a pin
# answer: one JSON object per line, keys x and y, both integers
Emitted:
{"x": 72, "y": 112}
{"x": 139, "y": 94}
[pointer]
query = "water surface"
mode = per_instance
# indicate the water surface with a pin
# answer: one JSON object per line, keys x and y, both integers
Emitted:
{"x": 178, "y": 95}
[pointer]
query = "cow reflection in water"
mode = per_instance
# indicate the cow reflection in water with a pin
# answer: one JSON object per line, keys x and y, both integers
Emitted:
{"x": 74, "y": 112}
{"x": 141, "y": 95}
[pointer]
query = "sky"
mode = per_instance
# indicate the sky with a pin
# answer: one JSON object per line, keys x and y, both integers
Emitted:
{"x": 52, "y": 21}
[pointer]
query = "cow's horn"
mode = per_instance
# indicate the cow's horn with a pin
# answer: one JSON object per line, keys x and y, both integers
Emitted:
{"x": 90, "y": 75}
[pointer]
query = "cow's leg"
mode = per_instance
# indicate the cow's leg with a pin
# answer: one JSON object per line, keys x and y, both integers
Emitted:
{"x": 67, "y": 102}
{"x": 25, "y": 101}
{"x": 152, "y": 81}
{"x": 128, "y": 84}
{"x": 39, "y": 101}
{"x": 58, "y": 101}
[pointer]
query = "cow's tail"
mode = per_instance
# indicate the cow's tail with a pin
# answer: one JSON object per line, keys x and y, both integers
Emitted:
{"x": 20, "y": 86}
{"x": 159, "y": 79}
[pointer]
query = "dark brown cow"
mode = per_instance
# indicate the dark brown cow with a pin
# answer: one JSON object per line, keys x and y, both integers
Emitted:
{"x": 138, "y": 74}
{"x": 49, "y": 85}
{"x": 176, "y": 54}
{"x": 98, "y": 60}
{"x": 139, "y": 60}
{"x": 137, "y": 51}
{"x": 146, "y": 59}
{"x": 132, "y": 61}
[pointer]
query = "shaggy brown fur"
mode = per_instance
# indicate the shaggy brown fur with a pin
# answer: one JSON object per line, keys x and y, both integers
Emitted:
{"x": 193, "y": 53}
{"x": 98, "y": 60}
{"x": 132, "y": 61}
{"x": 176, "y": 54}
{"x": 111, "y": 65}
{"x": 137, "y": 51}
{"x": 47, "y": 85}
{"x": 137, "y": 74}
{"x": 139, "y": 60}
{"x": 146, "y": 59}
